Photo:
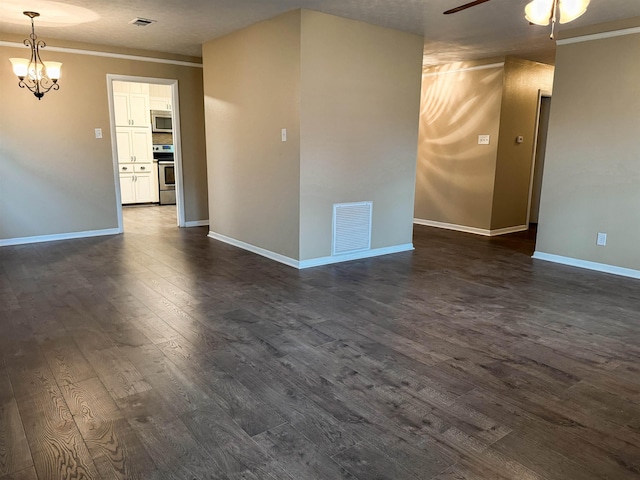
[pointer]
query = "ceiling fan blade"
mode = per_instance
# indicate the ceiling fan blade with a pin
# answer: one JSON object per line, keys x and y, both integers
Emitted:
{"x": 465, "y": 6}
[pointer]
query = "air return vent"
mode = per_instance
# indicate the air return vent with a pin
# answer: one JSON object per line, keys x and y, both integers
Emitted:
{"x": 351, "y": 227}
{"x": 142, "y": 22}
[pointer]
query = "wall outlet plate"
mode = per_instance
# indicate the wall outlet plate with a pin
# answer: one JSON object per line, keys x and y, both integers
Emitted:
{"x": 483, "y": 139}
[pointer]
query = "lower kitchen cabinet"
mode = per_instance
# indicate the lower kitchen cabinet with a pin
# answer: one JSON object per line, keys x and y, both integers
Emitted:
{"x": 137, "y": 186}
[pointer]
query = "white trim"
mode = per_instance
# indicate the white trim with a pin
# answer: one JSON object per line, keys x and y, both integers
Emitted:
{"x": 474, "y": 230}
{"x": 507, "y": 230}
{"x": 375, "y": 252}
{"x": 599, "y": 36}
{"x": 197, "y": 223}
{"x": 95, "y": 53}
{"x": 177, "y": 154}
{"x": 452, "y": 226}
{"x": 253, "y": 249}
{"x": 314, "y": 262}
{"x": 598, "y": 267}
{"x": 59, "y": 236}
{"x": 467, "y": 69}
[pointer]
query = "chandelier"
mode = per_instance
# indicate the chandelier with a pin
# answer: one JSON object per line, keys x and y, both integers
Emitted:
{"x": 541, "y": 12}
{"x": 33, "y": 74}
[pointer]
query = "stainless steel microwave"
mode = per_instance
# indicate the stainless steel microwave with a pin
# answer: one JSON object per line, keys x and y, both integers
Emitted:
{"x": 161, "y": 121}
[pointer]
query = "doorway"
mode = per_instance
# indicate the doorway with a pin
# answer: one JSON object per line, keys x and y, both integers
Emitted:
{"x": 137, "y": 146}
{"x": 537, "y": 167}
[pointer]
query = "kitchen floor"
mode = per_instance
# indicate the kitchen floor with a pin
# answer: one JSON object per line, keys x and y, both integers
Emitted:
{"x": 164, "y": 354}
{"x": 149, "y": 218}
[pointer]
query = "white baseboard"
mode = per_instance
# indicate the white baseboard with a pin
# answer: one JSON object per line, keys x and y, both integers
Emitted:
{"x": 598, "y": 267}
{"x": 314, "y": 262}
{"x": 375, "y": 252}
{"x": 197, "y": 223}
{"x": 258, "y": 250}
{"x": 59, "y": 236}
{"x": 466, "y": 229}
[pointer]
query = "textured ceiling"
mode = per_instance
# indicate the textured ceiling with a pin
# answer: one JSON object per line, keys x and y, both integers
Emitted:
{"x": 494, "y": 28}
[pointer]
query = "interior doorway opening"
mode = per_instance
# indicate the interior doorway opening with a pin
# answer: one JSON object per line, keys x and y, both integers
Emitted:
{"x": 145, "y": 139}
{"x": 537, "y": 166}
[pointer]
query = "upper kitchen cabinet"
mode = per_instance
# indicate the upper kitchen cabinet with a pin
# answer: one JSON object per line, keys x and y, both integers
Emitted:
{"x": 131, "y": 104}
{"x": 134, "y": 145}
{"x": 160, "y": 97}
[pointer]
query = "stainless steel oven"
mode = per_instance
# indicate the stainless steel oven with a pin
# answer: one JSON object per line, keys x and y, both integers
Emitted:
{"x": 166, "y": 173}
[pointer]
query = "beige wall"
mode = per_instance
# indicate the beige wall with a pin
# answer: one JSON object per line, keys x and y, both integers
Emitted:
{"x": 251, "y": 87}
{"x": 360, "y": 96}
{"x": 592, "y": 168}
{"x": 522, "y": 82}
{"x": 455, "y": 176}
{"x": 57, "y": 178}
{"x": 348, "y": 94}
{"x": 462, "y": 183}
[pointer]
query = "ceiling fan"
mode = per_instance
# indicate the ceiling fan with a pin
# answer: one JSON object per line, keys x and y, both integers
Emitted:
{"x": 542, "y": 12}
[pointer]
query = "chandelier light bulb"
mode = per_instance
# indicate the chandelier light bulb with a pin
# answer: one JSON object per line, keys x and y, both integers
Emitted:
{"x": 539, "y": 11}
{"x": 53, "y": 70}
{"x": 572, "y": 9}
{"x": 20, "y": 67}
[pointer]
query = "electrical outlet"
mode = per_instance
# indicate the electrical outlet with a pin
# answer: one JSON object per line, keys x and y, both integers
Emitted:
{"x": 483, "y": 139}
{"x": 602, "y": 239}
{"x": 98, "y": 133}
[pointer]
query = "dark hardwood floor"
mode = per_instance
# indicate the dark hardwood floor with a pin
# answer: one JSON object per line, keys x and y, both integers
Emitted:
{"x": 164, "y": 354}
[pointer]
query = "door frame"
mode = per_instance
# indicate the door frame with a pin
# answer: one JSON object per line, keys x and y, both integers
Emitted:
{"x": 541, "y": 94}
{"x": 177, "y": 141}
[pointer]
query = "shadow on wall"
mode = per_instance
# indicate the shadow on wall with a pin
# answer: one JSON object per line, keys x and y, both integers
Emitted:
{"x": 455, "y": 175}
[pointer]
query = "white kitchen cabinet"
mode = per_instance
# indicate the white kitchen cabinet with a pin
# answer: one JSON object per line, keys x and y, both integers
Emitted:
{"x": 160, "y": 97}
{"x": 157, "y": 103}
{"x": 144, "y": 187}
{"x": 135, "y": 161}
{"x": 136, "y": 186}
{"x": 131, "y": 109}
{"x": 134, "y": 144}
{"x": 127, "y": 188}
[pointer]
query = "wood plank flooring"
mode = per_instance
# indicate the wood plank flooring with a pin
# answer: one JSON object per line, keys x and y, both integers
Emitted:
{"x": 163, "y": 354}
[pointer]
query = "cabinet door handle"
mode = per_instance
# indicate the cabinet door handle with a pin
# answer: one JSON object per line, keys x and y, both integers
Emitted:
{"x": 124, "y": 168}
{"x": 141, "y": 168}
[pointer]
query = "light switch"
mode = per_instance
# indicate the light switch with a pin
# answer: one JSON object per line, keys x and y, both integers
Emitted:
{"x": 284, "y": 134}
{"x": 483, "y": 139}
{"x": 98, "y": 133}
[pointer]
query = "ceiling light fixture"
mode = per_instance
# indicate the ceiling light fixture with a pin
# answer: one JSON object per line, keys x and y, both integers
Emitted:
{"x": 541, "y": 12}
{"x": 35, "y": 75}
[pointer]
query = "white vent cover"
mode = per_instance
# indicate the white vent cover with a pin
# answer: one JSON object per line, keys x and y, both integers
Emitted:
{"x": 351, "y": 227}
